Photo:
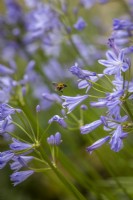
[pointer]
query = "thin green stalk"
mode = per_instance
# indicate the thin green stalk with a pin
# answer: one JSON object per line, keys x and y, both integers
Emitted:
{"x": 22, "y": 130}
{"x": 128, "y": 110}
{"x": 37, "y": 126}
{"x": 62, "y": 178}
{"x": 29, "y": 125}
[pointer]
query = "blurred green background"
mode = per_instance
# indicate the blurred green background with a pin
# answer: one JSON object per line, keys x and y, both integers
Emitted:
{"x": 103, "y": 175}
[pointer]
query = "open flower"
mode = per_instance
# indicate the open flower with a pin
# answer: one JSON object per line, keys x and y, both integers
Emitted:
{"x": 115, "y": 63}
{"x": 72, "y": 102}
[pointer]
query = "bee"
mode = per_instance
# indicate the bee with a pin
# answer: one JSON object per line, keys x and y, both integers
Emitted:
{"x": 59, "y": 86}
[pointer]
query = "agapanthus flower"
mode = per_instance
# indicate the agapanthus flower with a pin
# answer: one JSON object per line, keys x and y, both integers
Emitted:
{"x": 80, "y": 24}
{"x": 89, "y": 82}
{"x": 52, "y": 97}
{"x": 72, "y": 102}
{"x": 5, "y": 71}
{"x": 59, "y": 120}
{"x": 112, "y": 102}
{"x": 80, "y": 73}
{"x": 18, "y": 146}
{"x": 5, "y": 157}
{"x": 87, "y": 3}
{"x": 6, "y": 110}
{"x": 13, "y": 11}
{"x": 97, "y": 144}
{"x": 115, "y": 63}
{"x": 54, "y": 139}
{"x": 120, "y": 24}
{"x": 19, "y": 177}
{"x": 90, "y": 127}
{"x": 116, "y": 141}
{"x": 20, "y": 161}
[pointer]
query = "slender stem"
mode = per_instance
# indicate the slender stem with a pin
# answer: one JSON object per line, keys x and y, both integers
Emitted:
{"x": 62, "y": 178}
{"x": 43, "y": 134}
{"x": 30, "y": 125}
{"x": 22, "y": 130}
{"x": 37, "y": 126}
{"x": 40, "y": 169}
{"x": 128, "y": 110}
{"x": 17, "y": 137}
{"x": 94, "y": 83}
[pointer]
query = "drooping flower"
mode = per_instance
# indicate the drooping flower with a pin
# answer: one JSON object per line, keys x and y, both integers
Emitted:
{"x": 122, "y": 24}
{"x": 116, "y": 141}
{"x": 18, "y": 146}
{"x": 5, "y": 157}
{"x": 5, "y": 71}
{"x": 59, "y": 120}
{"x": 6, "y": 110}
{"x": 19, "y": 177}
{"x": 54, "y": 139}
{"x": 90, "y": 127}
{"x": 97, "y": 144}
{"x": 80, "y": 73}
{"x": 72, "y": 102}
{"x": 20, "y": 161}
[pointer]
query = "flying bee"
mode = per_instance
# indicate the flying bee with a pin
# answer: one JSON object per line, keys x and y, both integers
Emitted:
{"x": 59, "y": 86}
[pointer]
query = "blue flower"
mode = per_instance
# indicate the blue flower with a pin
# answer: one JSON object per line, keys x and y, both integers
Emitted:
{"x": 5, "y": 71}
{"x": 52, "y": 97}
{"x": 54, "y": 139}
{"x": 97, "y": 144}
{"x": 80, "y": 24}
{"x": 89, "y": 82}
{"x": 122, "y": 24}
{"x": 6, "y": 110}
{"x": 18, "y": 177}
{"x": 116, "y": 141}
{"x": 80, "y": 73}
{"x": 5, "y": 157}
{"x": 72, "y": 102}
{"x": 90, "y": 127}
{"x": 20, "y": 161}
{"x": 38, "y": 108}
{"x": 112, "y": 101}
{"x": 59, "y": 120}
{"x": 115, "y": 63}
{"x": 18, "y": 146}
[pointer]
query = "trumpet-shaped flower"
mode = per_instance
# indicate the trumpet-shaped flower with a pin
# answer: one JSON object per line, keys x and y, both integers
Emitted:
{"x": 5, "y": 157}
{"x": 18, "y": 146}
{"x": 90, "y": 127}
{"x": 72, "y": 102}
{"x": 97, "y": 144}
{"x": 20, "y": 161}
{"x": 18, "y": 177}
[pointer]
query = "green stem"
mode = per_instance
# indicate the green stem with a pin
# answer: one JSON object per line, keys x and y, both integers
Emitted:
{"x": 62, "y": 178}
{"x": 22, "y": 129}
{"x": 128, "y": 110}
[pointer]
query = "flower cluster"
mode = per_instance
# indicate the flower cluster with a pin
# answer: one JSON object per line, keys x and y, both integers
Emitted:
{"x": 32, "y": 40}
